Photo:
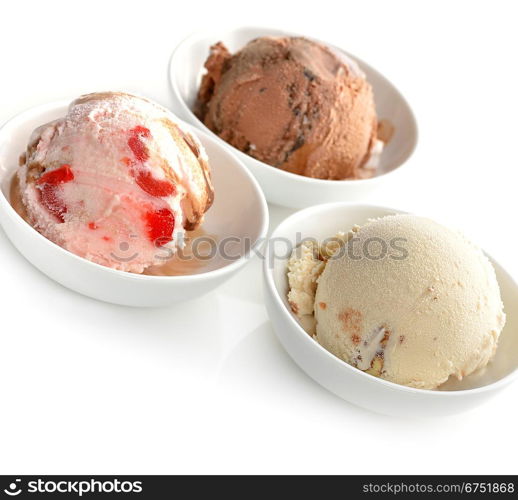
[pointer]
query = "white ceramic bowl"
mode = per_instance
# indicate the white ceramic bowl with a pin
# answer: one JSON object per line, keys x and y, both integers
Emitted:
{"x": 280, "y": 187}
{"x": 239, "y": 210}
{"x": 348, "y": 382}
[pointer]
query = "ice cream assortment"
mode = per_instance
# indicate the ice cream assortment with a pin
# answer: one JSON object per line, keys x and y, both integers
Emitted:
{"x": 422, "y": 307}
{"x": 115, "y": 180}
{"x": 118, "y": 172}
{"x": 294, "y": 104}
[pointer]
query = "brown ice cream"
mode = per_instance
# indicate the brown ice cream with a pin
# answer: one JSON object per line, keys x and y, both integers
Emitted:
{"x": 292, "y": 103}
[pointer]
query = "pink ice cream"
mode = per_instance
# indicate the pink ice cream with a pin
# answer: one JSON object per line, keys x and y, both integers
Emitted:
{"x": 116, "y": 181}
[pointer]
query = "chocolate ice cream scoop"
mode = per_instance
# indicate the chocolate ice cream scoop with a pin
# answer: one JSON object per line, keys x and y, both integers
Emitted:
{"x": 294, "y": 104}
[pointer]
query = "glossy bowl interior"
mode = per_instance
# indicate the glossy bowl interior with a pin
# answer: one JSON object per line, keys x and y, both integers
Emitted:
{"x": 348, "y": 382}
{"x": 280, "y": 187}
{"x": 239, "y": 212}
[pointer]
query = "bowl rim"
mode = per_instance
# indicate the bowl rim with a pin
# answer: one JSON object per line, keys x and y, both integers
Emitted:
{"x": 303, "y": 336}
{"x": 8, "y": 210}
{"x": 283, "y": 173}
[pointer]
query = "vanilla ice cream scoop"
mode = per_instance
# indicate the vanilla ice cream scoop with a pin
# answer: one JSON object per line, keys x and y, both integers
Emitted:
{"x": 410, "y": 301}
{"x": 116, "y": 181}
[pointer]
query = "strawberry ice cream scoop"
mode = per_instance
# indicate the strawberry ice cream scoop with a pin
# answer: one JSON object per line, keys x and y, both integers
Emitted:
{"x": 116, "y": 181}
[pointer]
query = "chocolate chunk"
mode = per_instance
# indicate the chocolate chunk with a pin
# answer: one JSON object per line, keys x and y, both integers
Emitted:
{"x": 309, "y": 74}
{"x": 299, "y": 142}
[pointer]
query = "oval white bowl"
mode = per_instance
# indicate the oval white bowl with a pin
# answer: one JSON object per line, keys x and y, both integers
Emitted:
{"x": 344, "y": 380}
{"x": 280, "y": 187}
{"x": 239, "y": 210}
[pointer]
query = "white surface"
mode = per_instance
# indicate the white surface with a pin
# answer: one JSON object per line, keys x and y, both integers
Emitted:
{"x": 322, "y": 222}
{"x": 280, "y": 187}
{"x": 238, "y": 192}
{"x": 205, "y": 386}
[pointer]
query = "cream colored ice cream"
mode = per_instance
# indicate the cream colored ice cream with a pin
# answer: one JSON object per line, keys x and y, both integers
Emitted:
{"x": 426, "y": 308}
{"x": 116, "y": 181}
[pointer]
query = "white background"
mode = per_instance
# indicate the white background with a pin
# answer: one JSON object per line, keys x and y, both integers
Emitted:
{"x": 205, "y": 387}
